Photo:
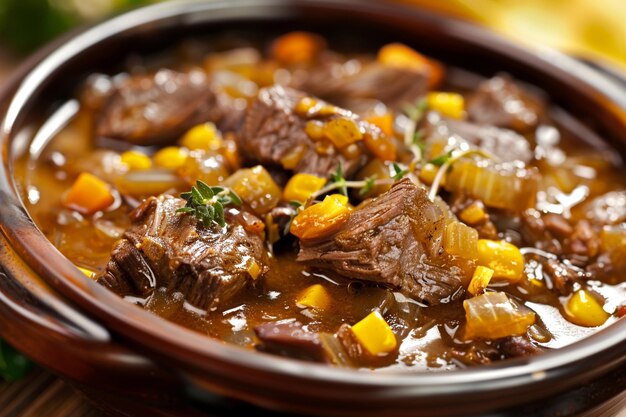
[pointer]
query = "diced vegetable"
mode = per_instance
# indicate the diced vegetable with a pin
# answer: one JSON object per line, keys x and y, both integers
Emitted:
{"x": 171, "y": 157}
{"x": 301, "y": 186}
{"x": 315, "y": 296}
{"x": 254, "y": 269}
{"x": 510, "y": 186}
{"x": 384, "y": 122}
{"x": 320, "y": 219}
{"x": 256, "y": 188}
{"x": 204, "y": 136}
{"x": 88, "y": 194}
{"x": 428, "y": 172}
{"x": 583, "y": 309}
{"x": 297, "y": 47}
{"x": 135, "y": 160}
{"x": 293, "y": 158}
{"x": 473, "y": 214}
{"x": 206, "y": 166}
{"x": 505, "y": 259}
{"x": 381, "y": 146}
{"x": 401, "y": 56}
{"x": 147, "y": 182}
{"x": 375, "y": 335}
{"x": 448, "y": 104}
{"x": 460, "y": 240}
{"x": 480, "y": 280}
{"x": 342, "y": 132}
{"x": 378, "y": 170}
{"x": 493, "y": 316}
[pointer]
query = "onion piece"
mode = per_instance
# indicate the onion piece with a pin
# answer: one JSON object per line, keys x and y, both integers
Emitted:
{"x": 493, "y": 316}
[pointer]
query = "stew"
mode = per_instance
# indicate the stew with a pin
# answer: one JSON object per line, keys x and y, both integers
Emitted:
{"x": 373, "y": 210}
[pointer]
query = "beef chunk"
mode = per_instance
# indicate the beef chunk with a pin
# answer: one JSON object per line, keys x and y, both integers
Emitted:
{"x": 394, "y": 241}
{"x": 500, "y": 102}
{"x": 209, "y": 266}
{"x": 274, "y": 133}
{"x": 503, "y": 143}
{"x": 157, "y": 108}
{"x": 339, "y": 83}
{"x": 290, "y": 338}
{"x": 518, "y": 346}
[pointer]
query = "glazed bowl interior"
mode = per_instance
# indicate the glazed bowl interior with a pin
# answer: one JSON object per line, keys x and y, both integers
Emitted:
{"x": 104, "y": 48}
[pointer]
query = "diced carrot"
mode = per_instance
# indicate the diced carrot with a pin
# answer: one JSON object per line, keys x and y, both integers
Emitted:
{"x": 297, "y": 47}
{"x": 399, "y": 55}
{"x": 88, "y": 194}
{"x": 384, "y": 122}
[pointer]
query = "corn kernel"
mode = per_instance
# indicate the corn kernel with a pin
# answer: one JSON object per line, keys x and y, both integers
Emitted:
{"x": 505, "y": 259}
{"x": 583, "y": 309}
{"x": 375, "y": 335}
{"x": 480, "y": 279}
{"x": 321, "y": 219}
{"x": 204, "y": 136}
{"x": 315, "y": 296}
{"x": 305, "y": 105}
{"x": 301, "y": 186}
{"x": 171, "y": 157}
{"x": 88, "y": 194}
{"x": 448, "y": 104}
{"x": 428, "y": 173}
{"x": 136, "y": 161}
{"x": 473, "y": 214}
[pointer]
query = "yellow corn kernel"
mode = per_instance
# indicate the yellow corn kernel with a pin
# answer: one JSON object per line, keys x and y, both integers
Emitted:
{"x": 171, "y": 157}
{"x": 480, "y": 279}
{"x": 204, "y": 136}
{"x": 375, "y": 335}
{"x": 505, "y": 259}
{"x": 321, "y": 219}
{"x": 86, "y": 271}
{"x": 583, "y": 309}
{"x": 315, "y": 296}
{"x": 448, "y": 104}
{"x": 428, "y": 173}
{"x": 136, "y": 161}
{"x": 301, "y": 186}
{"x": 88, "y": 194}
{"x": 342, "y": 132}
{"x": 305, "y": 105}
{"x": 473, "y": 214}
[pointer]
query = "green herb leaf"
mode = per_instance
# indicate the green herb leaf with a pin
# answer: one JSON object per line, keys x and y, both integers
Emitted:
{"x": 207, "y": 203}
{"x": 369, "y": 185}
{"x": 295, "y": 204}
{"x": 337, "y": 177}
{"x": 399, "y": 173}
{"x": 13, "y": 365}
{"x": 441, "y": 159}
{"x": 416, "y": 111}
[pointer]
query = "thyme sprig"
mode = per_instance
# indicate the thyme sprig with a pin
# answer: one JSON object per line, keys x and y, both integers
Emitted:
{"x": 207, "y": 203}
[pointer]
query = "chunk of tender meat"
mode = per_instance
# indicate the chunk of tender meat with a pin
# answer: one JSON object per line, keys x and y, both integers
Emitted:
{"x": 274, "y": 132}
{"x": 395, "y": 241}
{"x": 162, "y": 248}
{"x": 500, "y": 102}
{"x": 507, "y": 145}
{"x": 339, "y": 83}
{"x": 290, "y": 338}
{"x": 516, "y": 346}
{"x": 158, "y": 108}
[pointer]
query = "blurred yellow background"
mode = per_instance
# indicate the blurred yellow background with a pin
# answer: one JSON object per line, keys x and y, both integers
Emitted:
{"x": 595, "y": 29}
